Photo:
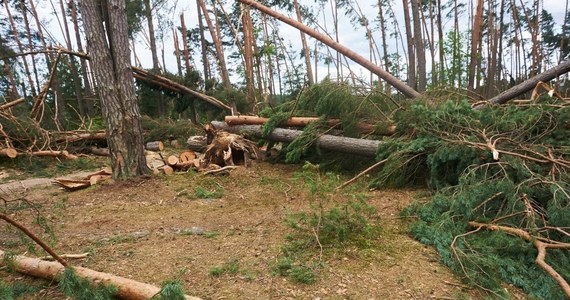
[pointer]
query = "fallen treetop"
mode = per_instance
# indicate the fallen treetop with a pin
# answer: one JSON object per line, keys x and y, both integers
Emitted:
{"x": 359, "y": 59}
{"x": 335, "y": 143}
{"x": 126, "y": 288}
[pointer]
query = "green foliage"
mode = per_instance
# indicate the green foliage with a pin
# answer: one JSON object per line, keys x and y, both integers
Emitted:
{"x": 78, "y": 288}
{"x": 315, "y": 233}
{"x": 328, "y": 100}
{"x": 231, "y": 266}
{"x": 449, "y": 148}
{"x": 6, "y": 291}
{"x": 161, "y": 129}
{"x": 171, "y": 290}
{"x": 202, "y": 193}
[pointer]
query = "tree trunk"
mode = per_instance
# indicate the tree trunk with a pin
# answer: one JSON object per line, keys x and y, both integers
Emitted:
{"x": 529, "y": 84}
{"x": 185, "y": 42}
{"x": 305, "y": 47}
{"x": 419, "y": 46}
{"x": 383, "y": 32}
{"x": 402, "y": 87}
{"x": 154, "y": 53}
{"x": 219, "y": 47}
{"x": 72, "y": 66}
{"x": 475, "y": 40}
{"x": 127, "y": 288}
{"x": 248, "y": 41}
{"x": 111, "y": 62}
{"x": 411, "y": 50}
{"x": 203, "y": 46}
{"x": 24, "y": 12}
{"x": 20, "y": 48}
{"x": 85, "y": 75}
{"x": 335, "y": 143}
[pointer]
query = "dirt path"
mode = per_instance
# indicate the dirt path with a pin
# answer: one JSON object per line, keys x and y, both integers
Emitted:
{"x": 156, "y": 229}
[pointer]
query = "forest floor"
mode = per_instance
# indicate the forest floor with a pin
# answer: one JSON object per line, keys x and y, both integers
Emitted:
{"x": 183, "y": 226}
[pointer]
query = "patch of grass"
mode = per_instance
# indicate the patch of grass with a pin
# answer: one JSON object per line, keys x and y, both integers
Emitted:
{"x": 119, "y": 239}
{"x": 203, "y": 193}
{"x": 320, "y": 231}
{"x": 211, "y": 234}
{"x": 231, "y": 266}
{"x": 79, "y": 288}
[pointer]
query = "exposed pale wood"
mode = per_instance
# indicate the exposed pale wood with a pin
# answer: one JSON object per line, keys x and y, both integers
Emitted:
{"x": 9, "y": 152}
{"x": 81, "y": 135}
{"x": 127, "y": 288}
{"x": 67, "y": 256}
{"x": 155, "y": 146}
{"x": 59, "y": 154}
{"x": 167, "y": 170}
{"x": 362, "y": 173}
{"x": 72, "y": 184}
{"x": 172, "y": 160}
{"x": 12, "y": 103}
{"x": 187, "y": 156}
{"x": 220, "y": 170}
{"x": 540, "y": 246}
{"x": 335, "y": 143}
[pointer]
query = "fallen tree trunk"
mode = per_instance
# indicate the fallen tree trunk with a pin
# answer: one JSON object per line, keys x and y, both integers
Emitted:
{"x": 174, "y": 86}
{"x": 362, "y": 127}
{"x": 529, "y": 84}
{"x": 81, "y": 135}
{"x": 58, "y": 154}
{"x": 9, "y": 152}
{"x": 359, "y": 59}
{"x": 335, "y": 143}
{"x": 126, "y": 288}
{"x": 12, "y": 103}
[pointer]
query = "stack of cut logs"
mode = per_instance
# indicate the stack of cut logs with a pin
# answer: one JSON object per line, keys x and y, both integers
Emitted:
{"x": 181, "y": 162}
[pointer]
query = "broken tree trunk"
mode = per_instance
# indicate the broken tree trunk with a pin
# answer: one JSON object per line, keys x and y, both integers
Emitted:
{"x": 529, "y": 84}
{"x": 81, "y": 135}
{"x": 126, "y": 288}
{"x": 229, "y": 149}
{"x": 359, "y": 59}
{"x": 364, "y": 128}
{"x": 9, "y": 152}
{"x": 335, "y": 143}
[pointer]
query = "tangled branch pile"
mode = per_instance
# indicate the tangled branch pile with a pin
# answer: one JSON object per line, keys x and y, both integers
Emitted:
{"x": 501, "y": 176}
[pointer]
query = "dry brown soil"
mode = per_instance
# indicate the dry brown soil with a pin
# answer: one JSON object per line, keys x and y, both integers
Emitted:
{"x": 149, "y": 229}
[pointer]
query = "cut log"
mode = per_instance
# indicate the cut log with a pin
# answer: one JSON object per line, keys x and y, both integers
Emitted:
{"x": 9, "y": 152}
{"x": 127, "y": 288}
{"x": 167, "y": 170}
{"x": 197, "y": 143}
{"x": 187, "y": 156}
{"x": 72, "y": 184}
{"x": 58, "y": 154}
{"x": 172, "y": 160}
{"x": 82, "y": 135}
{"x": 362, "y": 127}
{"x": 175, "y": 144}
{"x": 155, "y": 146}
{"x": 330, "y": 142}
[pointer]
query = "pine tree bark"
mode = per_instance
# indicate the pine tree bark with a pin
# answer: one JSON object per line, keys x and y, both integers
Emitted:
{"x": 248, "y": 53}
{"x": 111, "y": 63}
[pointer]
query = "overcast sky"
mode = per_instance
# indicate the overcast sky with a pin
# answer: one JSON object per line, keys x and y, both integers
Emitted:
{"x": 349, "y": 35}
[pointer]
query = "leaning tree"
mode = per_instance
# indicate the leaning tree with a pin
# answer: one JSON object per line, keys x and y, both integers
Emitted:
{"x": 106, "y": 29}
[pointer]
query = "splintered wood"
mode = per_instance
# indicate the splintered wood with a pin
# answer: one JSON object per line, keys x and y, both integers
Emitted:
{"x": 87, "y": 181}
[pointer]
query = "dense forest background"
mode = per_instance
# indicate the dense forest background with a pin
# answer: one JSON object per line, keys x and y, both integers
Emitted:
{"x": 472, "y": 48}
